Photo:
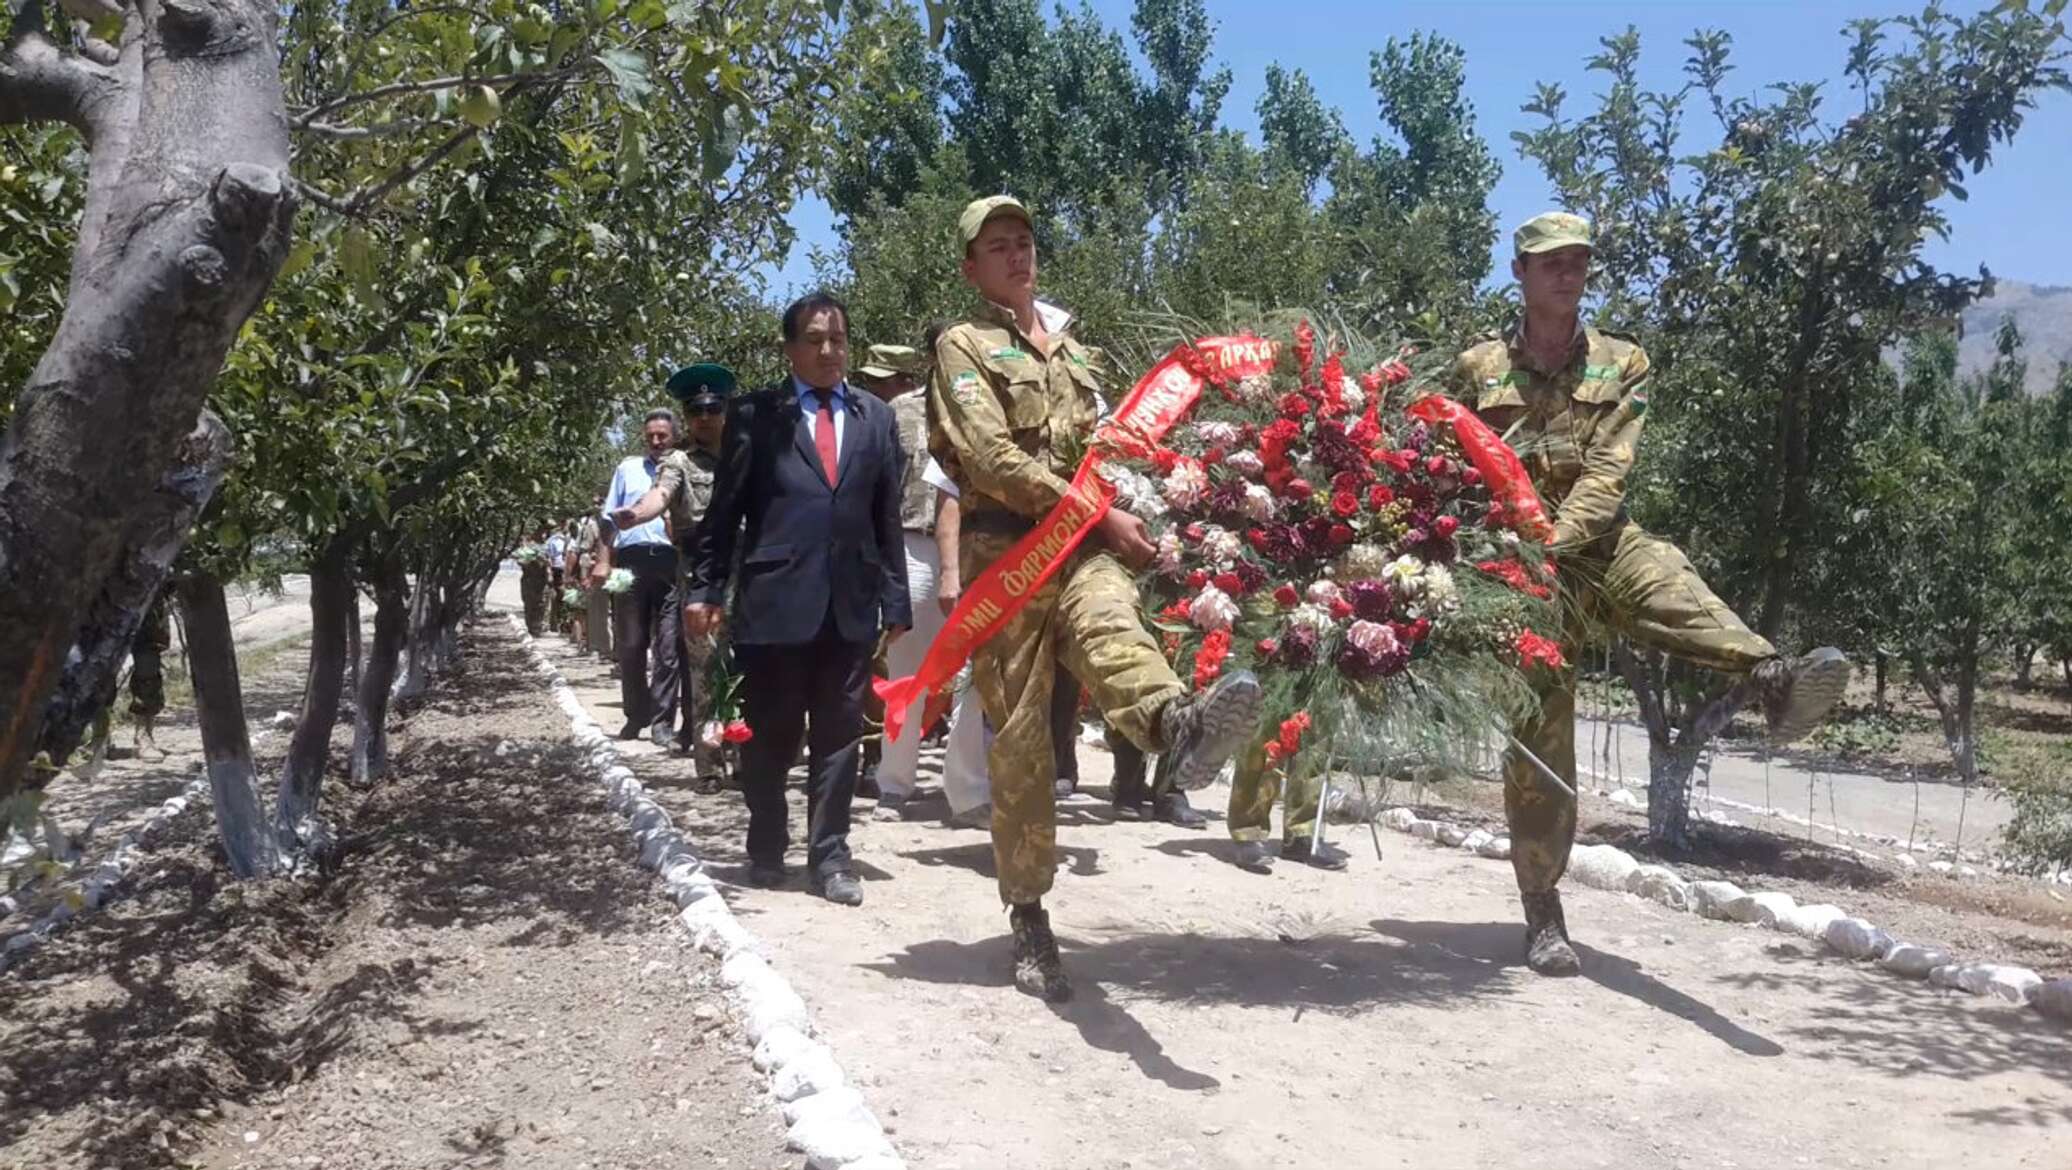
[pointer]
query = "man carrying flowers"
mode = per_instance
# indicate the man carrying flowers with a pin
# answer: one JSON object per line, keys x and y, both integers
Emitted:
{"x": 1570, "y": 399}
{"x": 1011, "y": 406}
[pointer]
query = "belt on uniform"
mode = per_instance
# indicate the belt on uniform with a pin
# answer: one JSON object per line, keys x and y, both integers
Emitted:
{"x": 992, "y": 523}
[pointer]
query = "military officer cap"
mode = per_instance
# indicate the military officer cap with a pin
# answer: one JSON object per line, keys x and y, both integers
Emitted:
{"x": 1550, "y": 230}
{"x": 979, "y": 211}
{"x": 890, "y": 361}
{"x": 704, "y": 385}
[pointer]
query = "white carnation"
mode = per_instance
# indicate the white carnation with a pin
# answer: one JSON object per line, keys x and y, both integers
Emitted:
{"x": 1440, "y": 590}
{"x": 1216, "y": 433}
{"x": 1170, "y": 551}
{"x": 1315, "y": 618}
{"x": 1361, "y": 562}
{"x": 1221, "y": 546}
{"x": 1246, "y": 463}
{"x": 1258, "y": 503}
{"x": 1187, "y": 485}
{"x": 1349, "y": 392}
{"x": 1405, "y": 571}
{"x": 1323, "y": 592}
{"x": 1213, "y": 609}
{"x": 1255, "y": 387}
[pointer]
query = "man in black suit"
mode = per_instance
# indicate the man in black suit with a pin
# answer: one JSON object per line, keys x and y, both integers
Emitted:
{"x": 809, "y": 485}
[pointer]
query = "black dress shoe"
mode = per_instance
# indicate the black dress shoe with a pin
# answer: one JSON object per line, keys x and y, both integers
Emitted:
{"x": 765, "y": 875}
{"x": 1254, "y": 857}
{"x": 632, "y": 730}
{"x": 843, "y": 889}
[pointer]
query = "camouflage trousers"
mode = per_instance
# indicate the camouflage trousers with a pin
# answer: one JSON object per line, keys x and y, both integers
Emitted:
{"x": 1257, "y": 786}
{"x": 1085, "y": 617}
{"x": 147, "y": 668}
{"x": 1643, "y": 588}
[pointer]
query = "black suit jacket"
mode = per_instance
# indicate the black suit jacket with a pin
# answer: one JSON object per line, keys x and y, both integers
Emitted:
{"x": 810, "y": 546}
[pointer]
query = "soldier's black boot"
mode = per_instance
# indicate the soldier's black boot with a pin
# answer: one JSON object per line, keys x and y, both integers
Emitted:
{"x": 1037, "y": 969}
{"x": 1546, "y": 936}
{"x": 1799, "y": 692}
{"x": 1203, "y": 730}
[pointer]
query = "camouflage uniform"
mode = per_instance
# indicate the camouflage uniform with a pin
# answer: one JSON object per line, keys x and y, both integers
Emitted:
{"x": 1257, "y": 786}
{"x": 1008, "y": 422}
{"x": 147, "y": 670}
{"x": 1576, "y": 428}
{"x": 596, "y": 615}
{"x": 685, "y": 480}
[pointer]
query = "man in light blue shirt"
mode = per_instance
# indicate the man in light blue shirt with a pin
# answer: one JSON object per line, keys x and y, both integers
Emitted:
{"x": 645, "y": 551}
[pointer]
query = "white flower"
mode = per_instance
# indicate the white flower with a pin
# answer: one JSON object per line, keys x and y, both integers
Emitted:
{"x": 619, "y": 582}
{"x": 1186, "y": 485}
{"x": 1137, "y": 494}
{"x": 1213, "y": 609}
{"x": 1440, "y": 591}
{"x": 1169, "y": 552}
{"x": 1216, "y": 433}
{"x": 1404, "y": 571}
{"x": 1314, "y": 618}
{"x": 1258, "y": 503}
{"x": 1361, "y": 562}
{"x": 1255, "y": 387}
{"x": 1221, "y": 546}
{"x": 1323, "y": 592}
{"x": 1372, "y": 637}
{"x": 1245, "y": 463}
{"x": 1349, "y": 392}
{"x": 1508, "y": 537}
{"x": 711, "y": 734}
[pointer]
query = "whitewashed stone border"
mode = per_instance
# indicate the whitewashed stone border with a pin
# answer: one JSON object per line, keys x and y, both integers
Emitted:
{"x": 1605, "y": 867}
{"x": 102, "y": 883}
{"x": 825, "y": 1118}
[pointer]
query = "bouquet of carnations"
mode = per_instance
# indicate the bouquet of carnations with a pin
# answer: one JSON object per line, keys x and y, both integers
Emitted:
{"x": 571, "y": 596}
{"x": 526, "y": 554}
{"x": 618, "y": 581}
{"x": 1356, "y": 558}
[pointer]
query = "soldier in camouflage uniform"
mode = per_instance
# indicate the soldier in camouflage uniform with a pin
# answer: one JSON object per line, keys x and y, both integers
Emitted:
{"x": 1011, "y": 404}
{"x": 1255, "y": 788}
{"x": 682, "y": 492}
{"x": 147, "y": 677}
{"x": 1570, "y": 399}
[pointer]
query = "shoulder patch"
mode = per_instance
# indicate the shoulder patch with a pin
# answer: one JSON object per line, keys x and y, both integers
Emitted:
{"x": 964, "y": 386}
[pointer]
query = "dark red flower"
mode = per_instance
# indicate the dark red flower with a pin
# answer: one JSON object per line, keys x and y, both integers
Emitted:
{"x": 1228, "y": 583}
{"x": 1164, "y": 460}
{"x": 1212, "y": 457}
{"x": 1351, "y": 481}
{"x": 1341, "y": 534}
{"x": 1197, "y": 578}
{"x": 1341, "y": 609}
{"x": 1380, "y": 496}
{"x": 1445, "y": 526}
{"x": 1395, "y": 372}
{"x": 1286, "y": 596}
{"x": 1420, "y": 629}
{"x": 1345, "y": 504}
{"x": 1193, "y": 533}
{"x": 1298, "y": 489}
{"x": 1436, "y": 465}
{"x": 1470, "y": 476}
{"x": 1293, "y": 406}
{"x": 1268, "y": 647}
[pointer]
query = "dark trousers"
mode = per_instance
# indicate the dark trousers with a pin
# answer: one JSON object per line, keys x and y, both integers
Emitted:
{"x": 1064, "y": 725}
{"x": 675, "y": 692}
{"x": 812, "y": 690}
{"x": 647, "y": 694}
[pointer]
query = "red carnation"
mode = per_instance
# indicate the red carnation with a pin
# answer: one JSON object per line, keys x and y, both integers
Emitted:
{"x": 1268, "y": 647}
{"x": 1285, "y": 594}
{"x": 1380, "y": 496}
{"x": 1345, "y": 504}
{"x": 1164, "y": 460}
{"x": 1229, "y": 583}
{"x": 1341, "y": 609}
{"x": 1193, "y": 533}
{"x": 1535, "y": 648}
{"x": 1399, "y": 461}
{"x": 1208, "y": 661}
{"x": 1436, "y": 465}
{"x": 1305, "y": 348}
{"x": 1470, "y": 477}
{"x": 1297, "y": 489}
{"x": 1293, "y": 406}
{"x": 1445, "y": 526}
{"x": 1212, "y": 457}
{"x": 736, "y": 731}
{"x": 1258, "y": 538}
{"x": 1420, "y": 629}
{"x": 1197, "y": 579}
{"x": 1341, "y": 534}
{"x": 1395, "y": 372}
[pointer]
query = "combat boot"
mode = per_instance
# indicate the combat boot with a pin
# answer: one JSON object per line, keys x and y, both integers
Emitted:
{"x": 1037, "y": 969}
{"x": 1798, "y": 693}
{"x": 1203, "y": 730}
{"x": 1546, "y": 936}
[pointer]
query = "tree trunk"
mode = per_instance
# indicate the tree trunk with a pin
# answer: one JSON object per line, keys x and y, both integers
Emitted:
{"x": 309, "y": 752}
{"x": 2024, "y": 666}
{"x": 158, "y": 527}
{"x": 1792, "y": 444}
{"x": 1883, "y": 664}
{"x": 1676, "y": 741}
{"x": 187, "y": 219}
{"x": 353, "y": 651}
{"x": 391, "y": 625}
{"x": 417, "y": 669}
{"x": 1669, "y": 793}
{"x": 247, "y": 835}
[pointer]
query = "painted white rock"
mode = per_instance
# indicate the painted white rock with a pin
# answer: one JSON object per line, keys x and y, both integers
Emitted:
{"x": 1965, "y": 871}
{"x": 1500, "y": 849}
{"x": 771, "y": 1003}
{"x": 1711, "y": 899}
{"x": 1658, "y": 883}
{"x": 839, "y": 1135}
{"x": 1451, "y": 836}
{"x": 812, "y": 1071}
{"x": 1477, "y": 839}
{"x": 1941, "y": 866}
{"x": 713, "y": 928}
{"x": 1399, "y": 819}
{"x": 1763, "y": 909}
{"x": 1811, "y": 922}
{"x": 779, "y": 1047}
{"x": 2012, "y": 984}
{"x": 1627, "y": 798}
{"x": 1601, "y": 867}
{"x": 2054, "y": 999}
{"x": 1854, "y": 938}
{"x": 1717, "y": 817}
{"x": 1913, "y": 960}
{"x": 877, "y": 1162}
{"x": 1906, "y": 861}
{"x": 1428, "y": 830}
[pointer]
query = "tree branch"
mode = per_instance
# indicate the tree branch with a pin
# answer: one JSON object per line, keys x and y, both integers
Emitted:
{"x": 306, "y": 118}
{"x": 38, "y": 83}
{"x": 378, "y": 130}
{"x": 366, "y": 197}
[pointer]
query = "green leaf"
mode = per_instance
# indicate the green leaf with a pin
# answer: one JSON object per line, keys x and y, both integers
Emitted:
{"x": 298, "y": 259}
{"x": 629, "y": 70}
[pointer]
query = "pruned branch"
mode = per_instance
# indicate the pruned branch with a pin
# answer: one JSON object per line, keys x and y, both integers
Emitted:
{"x": 386, "y": 129}
{"x": 39, "y": 83}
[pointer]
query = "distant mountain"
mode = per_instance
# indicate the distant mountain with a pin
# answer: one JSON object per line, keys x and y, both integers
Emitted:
{"x": 2041, "y": 312}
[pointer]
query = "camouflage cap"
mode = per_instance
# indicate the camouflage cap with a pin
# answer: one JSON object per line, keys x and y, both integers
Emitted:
{"x": 978, "y": 211}
{"x": 1550, "y": 230}
{"x": 887, "y": 361}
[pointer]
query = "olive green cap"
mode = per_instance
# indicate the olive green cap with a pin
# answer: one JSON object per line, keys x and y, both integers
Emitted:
{"x": 978, "y": 211}
{"x": 886, "y": 361}
{"x": 702, "y": 381}
{"x": 1550, "y": 230}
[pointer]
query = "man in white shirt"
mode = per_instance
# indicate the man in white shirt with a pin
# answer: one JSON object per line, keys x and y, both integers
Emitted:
{"x": 643, "y": 549}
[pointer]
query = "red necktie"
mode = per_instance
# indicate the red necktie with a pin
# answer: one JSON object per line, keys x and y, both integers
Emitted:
{"x": 824, "y": 434}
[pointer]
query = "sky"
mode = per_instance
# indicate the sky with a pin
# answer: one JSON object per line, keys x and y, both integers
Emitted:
{"x": 2014, "y": 222}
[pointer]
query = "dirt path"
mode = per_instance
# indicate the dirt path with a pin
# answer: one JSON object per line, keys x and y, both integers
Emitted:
{"x": 490, "y": 980}
{"x": 1376, "y": 1017}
